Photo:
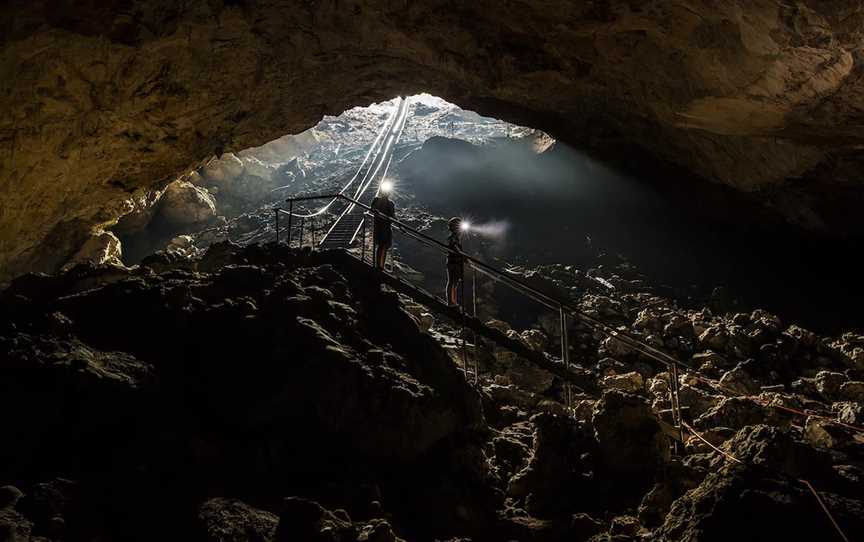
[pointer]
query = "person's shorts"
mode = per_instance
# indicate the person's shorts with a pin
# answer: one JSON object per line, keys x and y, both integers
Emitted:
{"x": 384, "y": 238}
{"x": 455, "y": 273}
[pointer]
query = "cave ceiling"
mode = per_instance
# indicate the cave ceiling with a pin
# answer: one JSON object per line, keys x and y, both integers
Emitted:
{"x": 104, "y": 101}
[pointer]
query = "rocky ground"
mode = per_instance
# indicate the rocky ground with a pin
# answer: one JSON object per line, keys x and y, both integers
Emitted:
{"x": 263, "y": 393}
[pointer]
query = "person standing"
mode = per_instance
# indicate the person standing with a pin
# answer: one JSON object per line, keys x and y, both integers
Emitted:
{"x": 455, "y": 260}
{"x": 382, "y": 231}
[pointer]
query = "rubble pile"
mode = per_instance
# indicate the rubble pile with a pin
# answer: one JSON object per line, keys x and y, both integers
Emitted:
{"x": 266, "y": 393}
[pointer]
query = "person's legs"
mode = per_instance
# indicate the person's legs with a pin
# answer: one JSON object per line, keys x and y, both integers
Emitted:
{"x": 453, "y": 278}
{"x": 381, "y": 256}
{"x": 384, "y": 241}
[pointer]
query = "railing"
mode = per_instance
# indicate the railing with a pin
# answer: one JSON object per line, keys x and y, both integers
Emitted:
{"x": 563, "y": 308}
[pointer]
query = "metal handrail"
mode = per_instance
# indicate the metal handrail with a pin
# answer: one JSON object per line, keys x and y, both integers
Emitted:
{"x": 562, "y": 307}
{"x": 381, "y": 138}
{"x": 541, "y": 297}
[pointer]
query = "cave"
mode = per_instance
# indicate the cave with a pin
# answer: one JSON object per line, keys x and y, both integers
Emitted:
{"x": 650, "y": 210}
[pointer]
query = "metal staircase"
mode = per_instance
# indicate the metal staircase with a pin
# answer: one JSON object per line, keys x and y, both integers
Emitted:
{"x": 344, "y": 231}
{"x": 568, "y": 372}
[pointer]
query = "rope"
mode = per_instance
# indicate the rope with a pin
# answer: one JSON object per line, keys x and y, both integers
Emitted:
{"x": 727, "y": 455}
{"x": 825, "y": 509}
{"x": 388, "y": 127}
{"x": 766, "y": 404}
{"x": 734, "y": 459}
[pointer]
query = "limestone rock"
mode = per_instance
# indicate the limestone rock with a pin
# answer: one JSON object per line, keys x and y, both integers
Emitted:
{"x": 103, "y": 248}
{"x": 784, "y": 508}
{"x": 554, "y": 467}
{"x": 535, "y": 338}
{"x": 222, "y": 171}
{"x": 738, "y": 381}
{"x": 629, "y": 382}
{"x": 737, "y": 412}
{"x": 828, "y": 384}
{"x": 184, "y": 204}
{"x": 628, "y": 434}
{"x": 848, "y": 412}
{"x": 231, "y": 520}
{"x": 852, "y": 391}
{"x": 741, "y": 93}
{"x": 307, "y": 520}
{"x": 825, "y": 434}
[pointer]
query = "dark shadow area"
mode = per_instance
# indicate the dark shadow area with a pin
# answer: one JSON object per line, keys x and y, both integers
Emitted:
{"x": 561, "y": 206}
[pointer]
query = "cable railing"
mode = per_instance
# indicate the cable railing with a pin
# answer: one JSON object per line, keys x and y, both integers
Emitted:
{"x": 382, "y": 143}
{"x": 565, "y": 310}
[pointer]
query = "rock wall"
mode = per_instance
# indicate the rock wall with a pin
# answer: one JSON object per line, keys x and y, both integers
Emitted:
{"x": 104, "y": 98}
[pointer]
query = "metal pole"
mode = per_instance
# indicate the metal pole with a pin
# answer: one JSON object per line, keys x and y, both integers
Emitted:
{"x": 374, "y": 250}
{"x": 565, "y": 356}
{"x": 676, "y": 411}
{"x": 290, "y": 216}
{"x": 363, "y": 241}
{"x": 302, "y": 225}
{"x": 276, "y": 214}
{"x": 462, "y": 332}
{"x": 474, "y": 314}
{"x": 312, "y": 229}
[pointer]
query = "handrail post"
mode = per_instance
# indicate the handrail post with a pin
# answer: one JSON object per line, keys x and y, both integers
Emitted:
{"x": 374, "y": 249}
{"x": 474, "y": 314}
{"x": 363, "y": 240}
{"x": 565, "y": 357}
{"x": 302, "y": 225}
{"x": 312, "y": 230}
{"x": 276, "y": 215}
{"x": 675, "y": 406}
{"x": 290, "y": 216}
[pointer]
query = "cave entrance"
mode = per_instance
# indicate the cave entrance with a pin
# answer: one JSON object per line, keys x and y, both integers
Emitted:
{"x": 230, "y": 196}
{"x": 538, "y": 202}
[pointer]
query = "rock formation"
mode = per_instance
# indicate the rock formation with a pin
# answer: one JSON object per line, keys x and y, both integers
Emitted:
{"x": 265, "y": 393}
{"x": 106, "y": 100}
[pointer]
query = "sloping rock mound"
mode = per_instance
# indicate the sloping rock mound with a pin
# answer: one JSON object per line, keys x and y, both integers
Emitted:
{"x": 260, "y": 376}
{"x": 748, "y": 504}
{"x": 628, "y": 434}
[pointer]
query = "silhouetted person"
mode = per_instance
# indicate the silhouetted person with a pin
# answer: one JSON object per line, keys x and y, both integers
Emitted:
{"x": 455, "y": 260}
{"x": 382, "y": 232}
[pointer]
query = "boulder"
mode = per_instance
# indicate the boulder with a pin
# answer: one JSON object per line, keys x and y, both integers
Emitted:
{"x": 850, "y": 349}
{"x": 852, "y": 391}
{"x": 777, "y": 508}
{"x": 617, "y": 348}
{"x": 774, "y": 449}
{"x": 737, "y": 412}
{"x": 828, "y": 384}
{"x": 184, "y": 204}
{"x": 9, "y": 496}
{"x": 231, "y": 520}
{"x": 378, "y": 530}
{"x": 628, "y": 382}
{"x": 102, "y": 248}
{"x": 551, "y": 477}
{"x": 850, "y": 413}
{"x": 821, "y": 433}
{"x": 223, "y": 170}
{"x": 710, "y": 356}
{"x": 628, "y": 435}
{"x": 302, "y": 519}
{"x": 499, "y": 325}
{"x": 739, "y": 381}
{"x": 535, "y": 339}
{"x": 715, "y": 337}
{"x": 699, "y": 401}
